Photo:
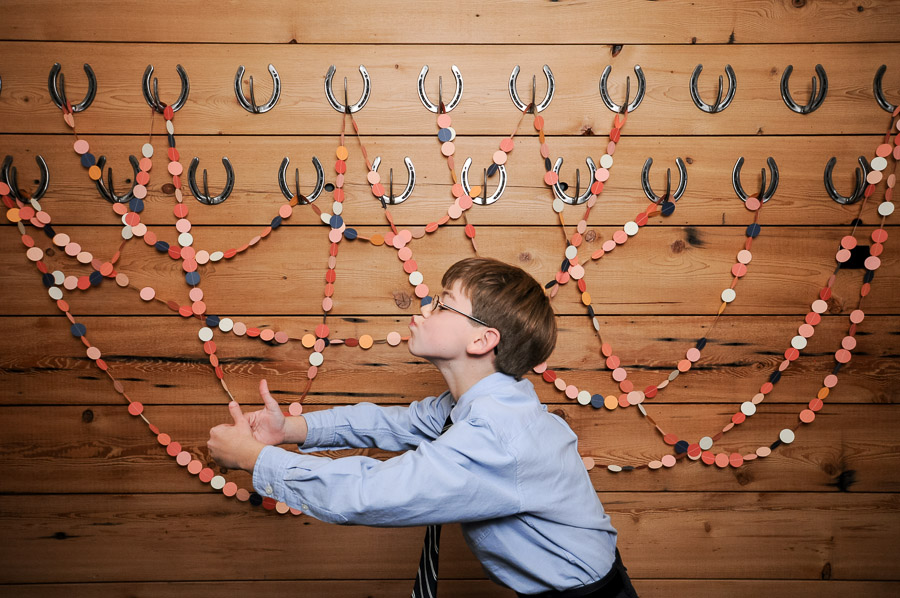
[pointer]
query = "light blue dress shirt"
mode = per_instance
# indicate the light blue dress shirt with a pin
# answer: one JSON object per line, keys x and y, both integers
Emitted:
{"x": 507, "y": 471}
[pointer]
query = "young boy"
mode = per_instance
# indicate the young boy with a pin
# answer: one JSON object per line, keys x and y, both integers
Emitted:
{"x": 506, "y": 470}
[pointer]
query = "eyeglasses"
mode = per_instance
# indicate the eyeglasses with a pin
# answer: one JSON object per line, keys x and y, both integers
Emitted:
{"x": 437, "y": 303}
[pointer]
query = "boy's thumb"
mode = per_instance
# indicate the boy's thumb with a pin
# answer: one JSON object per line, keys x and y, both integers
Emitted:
{"x": 236, "y": 412}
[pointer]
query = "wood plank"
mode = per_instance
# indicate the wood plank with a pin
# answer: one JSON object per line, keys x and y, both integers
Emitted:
{"x": 709, "y": 198}
{"x": 371, "y": 588}
{"x": 101, "y": 449}
{"x": 659, "y": 258}
{"x": 377, "y": 588}
{"x": 72, "y": 538}
{"x": 394, "y": 106}
{"x": 467, "y": 21}
{"x": 162, "y": 363}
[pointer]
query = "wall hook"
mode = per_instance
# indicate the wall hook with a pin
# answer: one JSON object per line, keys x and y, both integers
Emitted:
{"x": 719, "y": 105}
{"x": 532, "y": 107}
{"x": 485, "y": 199}
{"x": 638, "y": 98}
{"x": 858, "y": 190}
{"x": 346, "y": 107}
{"x": 56, "y": 85}
{"x": 559, "y": 189}
{"x": 815, "y": 99}
{"x": 204, "y": 197}
{"x": 108, "y": 192}
{"x": 668, "y": 196}
{"x": 440, "y": 108}
{"x": 879, "y": 91}
{"x": 152, "y": 95}
{"x": 410, "y": 182}
{"x": 764, "y": 194}
{"x": 8, "y": 172}
{"x": 250, "y": 105}
{"x": 286, "y": 191}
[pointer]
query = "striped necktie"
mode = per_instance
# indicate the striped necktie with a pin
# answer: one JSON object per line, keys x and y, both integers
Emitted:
{"x": 427, "y": 575}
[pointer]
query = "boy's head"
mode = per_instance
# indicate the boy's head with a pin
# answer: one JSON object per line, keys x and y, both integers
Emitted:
{"x": 507, "y": 298}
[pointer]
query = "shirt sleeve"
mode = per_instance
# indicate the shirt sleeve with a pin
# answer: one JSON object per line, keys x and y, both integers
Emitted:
{"x": 465, "y": 475}
{"x": 367, "y": 425}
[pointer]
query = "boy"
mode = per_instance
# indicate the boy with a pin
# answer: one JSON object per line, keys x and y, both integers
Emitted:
{"x": 506, "y": 470}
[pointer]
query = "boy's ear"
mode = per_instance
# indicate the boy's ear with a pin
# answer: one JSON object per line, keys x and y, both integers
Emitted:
{"x": 485, "y": 342}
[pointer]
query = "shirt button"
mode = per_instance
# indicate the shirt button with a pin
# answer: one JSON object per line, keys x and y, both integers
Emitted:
{"x": 269, "y": 489}
{"x": 304, "y": 507}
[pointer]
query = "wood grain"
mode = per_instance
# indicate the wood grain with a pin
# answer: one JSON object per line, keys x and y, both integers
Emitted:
{"x": 486, "y": 109}
{"x": 161, "y": 362}
{"x": 709, "y": 199}
{"x": 676, "y": 535}
{"x": 102, "y": 449}
{"x": 464, "y": 22}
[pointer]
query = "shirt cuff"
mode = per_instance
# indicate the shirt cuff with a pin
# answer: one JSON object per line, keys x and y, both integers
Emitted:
{"x": 320, "y": 430}
{"x": 269, "y": 472}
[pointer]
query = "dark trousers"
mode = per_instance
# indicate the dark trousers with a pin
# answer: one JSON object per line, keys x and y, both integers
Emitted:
{"x": 615, "y": 584}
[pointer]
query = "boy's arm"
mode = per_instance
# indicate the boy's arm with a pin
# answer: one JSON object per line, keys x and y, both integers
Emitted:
{"x": 465, "y": 475}
{"x": 366, "y": 425}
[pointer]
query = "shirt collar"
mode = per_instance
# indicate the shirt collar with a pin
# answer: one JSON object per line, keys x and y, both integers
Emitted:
{"x": 483, "y": 387}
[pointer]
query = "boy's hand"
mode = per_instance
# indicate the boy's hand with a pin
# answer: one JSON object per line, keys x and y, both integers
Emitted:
{"x": 233, "y": 445}
{"x": 267, "y": 424}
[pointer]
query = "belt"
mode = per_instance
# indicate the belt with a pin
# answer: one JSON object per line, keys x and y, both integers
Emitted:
{"x": 611, "y": 582}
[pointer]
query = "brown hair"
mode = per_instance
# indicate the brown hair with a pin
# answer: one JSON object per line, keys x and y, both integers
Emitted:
{"x": 510, "y": 300}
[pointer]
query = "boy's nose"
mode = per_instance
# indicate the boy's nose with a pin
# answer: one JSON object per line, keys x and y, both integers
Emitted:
{"x": 427, "y": 309}
{"x": 418, "y": 318}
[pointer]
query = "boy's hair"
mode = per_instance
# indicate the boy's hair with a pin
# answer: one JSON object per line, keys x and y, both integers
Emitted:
{"x": 510, "y": 300}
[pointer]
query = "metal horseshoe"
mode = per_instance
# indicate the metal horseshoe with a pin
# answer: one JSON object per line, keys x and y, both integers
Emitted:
{"x": 764, "y": 194}
{"x": 720, "y": 104}
{"x": 108, "y": 192}
{"x": 204, "y": 197}
{"x": 638, "y": 98}
{"x": 8, "y": 174}
{"x": 286, "y": 191}
{"x": 815, "y": 99}
{"x": 151, "y": 95}
{"x": 56, "y": 85}
{"x": 577, "y": 199}
{"x": 667, "y": 196}
{"x": 456, "y": 96}
{"x": 410, "y": 182}
{"x": 533, "y": 107}
{"x": 250, "y": 105}
{"x": 346, "y": 107}
{"x": 858, "y": 190}
{"x": 485, "y": 199}
{"x": 879, "y": 91}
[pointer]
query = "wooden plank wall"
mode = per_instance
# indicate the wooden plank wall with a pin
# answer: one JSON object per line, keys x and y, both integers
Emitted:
{"x": 91, "y": 505}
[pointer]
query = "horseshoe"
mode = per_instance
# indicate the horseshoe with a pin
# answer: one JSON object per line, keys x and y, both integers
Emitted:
{"x": 815, "y": 99}
{"x": 152, "y": 95}
{"x": 485, "y": 199}
{"x": 8, "y": 172}
{"x": 532, "y": 107}
{"x": 204, "y": 197}
{"x": 250, "y": 105}
{"x": 56, "y": 85}
{"x": 440, "y": 107}
{"x": 642, "y": 88}
{"x": 719, "y": 105}
{"x": 679, "y": 191}
{"x": 108, "y": 192}
{"x": 577, "y": 199}
{"x": 859, "y": 188}
{"x": 764, "y": 194}
{"x": 346, "y": 107}
{"x": 410, "y": 182}
{"x": 879, "y": 91}
{"x": 286, "y": 191}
